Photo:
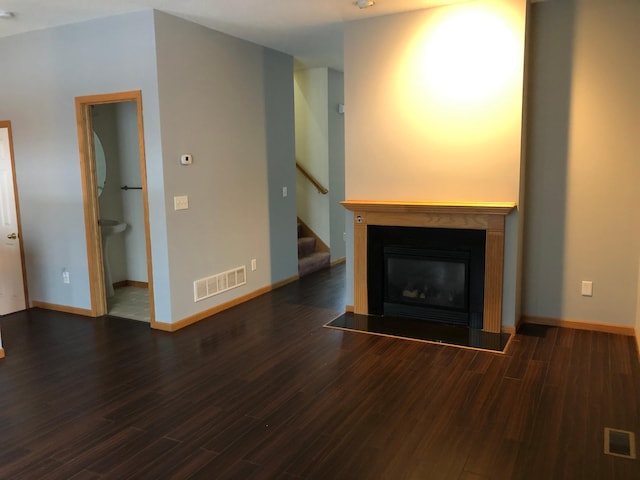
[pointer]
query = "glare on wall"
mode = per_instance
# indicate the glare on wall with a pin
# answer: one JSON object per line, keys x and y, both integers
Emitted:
{"x": 462, "y": 68}
{"x": 469, "y": 56}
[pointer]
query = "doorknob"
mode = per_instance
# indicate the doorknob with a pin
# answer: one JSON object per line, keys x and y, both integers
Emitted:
{"x": 12, "y": 236}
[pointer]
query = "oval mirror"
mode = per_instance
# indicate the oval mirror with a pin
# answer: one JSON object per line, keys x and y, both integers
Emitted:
{"x": 101, "y": 163}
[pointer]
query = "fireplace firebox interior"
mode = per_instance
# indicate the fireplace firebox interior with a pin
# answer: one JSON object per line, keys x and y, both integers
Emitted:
{"x": 429, "y": 274}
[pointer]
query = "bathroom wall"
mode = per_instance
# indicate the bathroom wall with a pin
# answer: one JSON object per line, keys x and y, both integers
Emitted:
{"x": 135, "y": 251}
{"x": 110, "y": 200}
{"x": 117, "y": 126}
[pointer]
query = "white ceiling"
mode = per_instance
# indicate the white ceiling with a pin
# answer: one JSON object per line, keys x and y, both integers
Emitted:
{"x": 310, "y": 30}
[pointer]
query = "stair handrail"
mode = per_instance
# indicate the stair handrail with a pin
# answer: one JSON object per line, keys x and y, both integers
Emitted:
{"x": 312, "y": 179}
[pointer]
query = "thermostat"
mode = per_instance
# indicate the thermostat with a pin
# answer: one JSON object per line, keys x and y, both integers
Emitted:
{"x": 186, "y": 159}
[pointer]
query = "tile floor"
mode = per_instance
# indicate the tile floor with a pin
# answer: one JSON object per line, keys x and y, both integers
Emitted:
{"x": 130, "y": 302}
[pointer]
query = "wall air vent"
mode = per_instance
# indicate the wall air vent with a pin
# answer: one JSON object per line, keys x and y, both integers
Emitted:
{"x": 215, "y": 284}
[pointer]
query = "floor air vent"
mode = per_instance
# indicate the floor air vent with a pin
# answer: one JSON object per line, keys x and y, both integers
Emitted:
{"x": 619, "y": 443}
{"x": 215, "y": 284}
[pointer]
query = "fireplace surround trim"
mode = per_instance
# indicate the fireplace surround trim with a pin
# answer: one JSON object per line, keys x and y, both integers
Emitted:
{"x": 488, "y": 216}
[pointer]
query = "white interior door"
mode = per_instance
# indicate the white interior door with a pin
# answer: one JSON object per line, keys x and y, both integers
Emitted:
{"x": 12, "y": 293}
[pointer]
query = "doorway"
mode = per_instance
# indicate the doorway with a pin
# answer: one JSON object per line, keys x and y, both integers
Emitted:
{"x": 111, "y": 142}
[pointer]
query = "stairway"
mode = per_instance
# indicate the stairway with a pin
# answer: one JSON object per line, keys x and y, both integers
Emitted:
{"x": 311, "y": 256}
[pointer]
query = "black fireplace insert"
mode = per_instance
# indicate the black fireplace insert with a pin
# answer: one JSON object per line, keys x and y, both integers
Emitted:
{"x": 430, "y": 274}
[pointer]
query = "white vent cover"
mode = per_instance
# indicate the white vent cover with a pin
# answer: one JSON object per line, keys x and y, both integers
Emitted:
{"x": 215, "y": 284}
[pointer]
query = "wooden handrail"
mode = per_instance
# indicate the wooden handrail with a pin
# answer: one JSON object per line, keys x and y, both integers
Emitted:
{"x": 312, "y": 179}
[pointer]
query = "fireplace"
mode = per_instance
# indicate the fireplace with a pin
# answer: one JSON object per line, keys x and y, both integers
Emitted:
{"x": 427, "y": 273}
{"x": 488, "y": 219}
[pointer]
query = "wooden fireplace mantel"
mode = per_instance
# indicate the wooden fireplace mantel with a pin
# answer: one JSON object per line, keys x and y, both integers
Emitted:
{"x": 477, "y": 216}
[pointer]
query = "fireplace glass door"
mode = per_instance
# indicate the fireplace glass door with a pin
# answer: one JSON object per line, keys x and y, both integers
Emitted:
{"x": 428, "y": 284}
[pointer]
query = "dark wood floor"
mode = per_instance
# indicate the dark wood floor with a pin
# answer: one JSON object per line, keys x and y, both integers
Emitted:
{"x": 263, "y": 391}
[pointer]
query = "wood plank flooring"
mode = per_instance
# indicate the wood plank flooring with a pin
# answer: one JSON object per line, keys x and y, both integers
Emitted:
{"x": 263, "y": 391}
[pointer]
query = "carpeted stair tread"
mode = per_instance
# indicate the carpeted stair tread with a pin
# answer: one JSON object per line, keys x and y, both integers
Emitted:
{"x": 309, "y": 259}
{"x": 314, "y": 262}
{"x": 306, "y": 246}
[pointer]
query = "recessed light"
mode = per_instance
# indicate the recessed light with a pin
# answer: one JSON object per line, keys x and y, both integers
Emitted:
{"x": 6, "y": 14}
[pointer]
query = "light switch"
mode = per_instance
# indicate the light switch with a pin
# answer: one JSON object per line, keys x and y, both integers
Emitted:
{"x": 181, "y": 202}
{"x": 284, "y": 192}
{"x": 587, "y": 288}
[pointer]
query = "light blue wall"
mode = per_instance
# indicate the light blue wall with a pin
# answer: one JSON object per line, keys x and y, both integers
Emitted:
{"x": 281, "y": 164}
{"x": 213, "y": 92}
{"x": 42, "y": 73}
{"x": 226, "y": 101}
{"x": 336, "y": 163}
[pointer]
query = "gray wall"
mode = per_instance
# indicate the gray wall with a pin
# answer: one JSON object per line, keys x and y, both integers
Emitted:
{"x": 48, "y": 69}
{"x": 218, "y": 112}
{"x": 213, "y": 105}
{"x": 336, "y": 164}
{"x": 281, "y": 164}
{"x": 582, "y": 165}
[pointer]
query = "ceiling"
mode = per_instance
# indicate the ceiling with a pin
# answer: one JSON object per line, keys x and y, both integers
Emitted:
{"x": 311, "y": 31}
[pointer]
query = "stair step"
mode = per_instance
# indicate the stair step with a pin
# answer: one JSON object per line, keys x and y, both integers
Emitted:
{"x": 312, "y": 263}
{"x": 306, "y": 246}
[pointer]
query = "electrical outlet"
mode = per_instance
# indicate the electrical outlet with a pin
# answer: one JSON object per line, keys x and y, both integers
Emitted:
{"x": 254, "y": 265}
{"x": 284, "y": 192}
{"x": 587, "y": 288}
{"x": 66, "y": 277}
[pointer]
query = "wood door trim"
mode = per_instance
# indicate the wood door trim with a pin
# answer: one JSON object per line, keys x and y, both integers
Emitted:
{"x": 7, "y": 124}
{"x": 89, "y": 195}
{"x": 90, "y": 203}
